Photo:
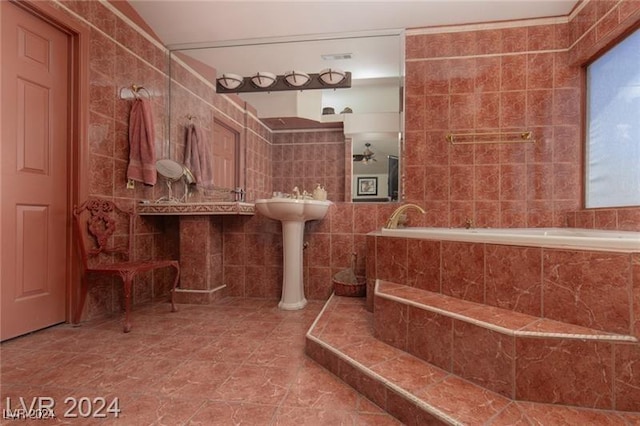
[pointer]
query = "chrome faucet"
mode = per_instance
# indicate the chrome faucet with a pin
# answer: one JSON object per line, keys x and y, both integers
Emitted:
{"x": 238, "y": 194}
{"x": 395, "y": 218}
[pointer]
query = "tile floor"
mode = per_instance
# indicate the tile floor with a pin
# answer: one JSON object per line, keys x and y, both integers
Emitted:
{"x": 240, "y": 361}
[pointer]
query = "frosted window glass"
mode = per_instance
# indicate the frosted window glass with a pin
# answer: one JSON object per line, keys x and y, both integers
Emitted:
{"x": 613, "y": 127}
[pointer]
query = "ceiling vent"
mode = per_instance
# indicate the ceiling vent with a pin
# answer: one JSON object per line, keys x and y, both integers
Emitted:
{"x": 337, "y": 56}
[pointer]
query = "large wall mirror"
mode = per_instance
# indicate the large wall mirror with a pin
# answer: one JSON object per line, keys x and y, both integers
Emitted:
{"x": 371, "y": 110}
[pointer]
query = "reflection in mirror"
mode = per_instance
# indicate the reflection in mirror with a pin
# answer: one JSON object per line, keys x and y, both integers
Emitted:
{"x": 375, "y": 156}
{"x": 172, "y": 171}
{"x": 313, "y": 130}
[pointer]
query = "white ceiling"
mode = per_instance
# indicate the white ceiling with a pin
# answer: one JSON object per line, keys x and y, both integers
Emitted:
{"x": 187, "y": 23}
{"x": 178, "y": 22}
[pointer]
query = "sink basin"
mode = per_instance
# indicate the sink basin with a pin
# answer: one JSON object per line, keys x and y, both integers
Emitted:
{"x": 289, "y": 209}
{"x": 293, "y": 213}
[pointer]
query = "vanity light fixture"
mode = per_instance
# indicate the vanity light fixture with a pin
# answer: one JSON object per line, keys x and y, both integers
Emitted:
{"x": 297, "y": 78}
{"x": 230, "y": 81}
{"x": 264, "y": 79}
{"x": 292, "y": 80}
{"x": 332, "y": 76}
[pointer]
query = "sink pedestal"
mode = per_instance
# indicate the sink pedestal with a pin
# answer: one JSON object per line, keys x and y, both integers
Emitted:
{"x": 292, "y": 213}
{"x": 292, "y": 282}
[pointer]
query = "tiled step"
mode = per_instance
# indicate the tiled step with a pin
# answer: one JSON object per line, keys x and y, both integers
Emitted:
{"x": 417, "y": 392}
{"x": 519, "y": 356}
{"x": 491, "y": 317}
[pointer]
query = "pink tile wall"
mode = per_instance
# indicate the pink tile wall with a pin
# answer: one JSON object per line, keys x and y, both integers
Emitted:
{"x": 496, "y": 79}
{"x": 227, "y": 264}
{"x": 201, "y": 243}
{"x": 258, "y": 168}
{"x": 512, "y": 79}
{"x": 191, "y": 97}
{"x": 305, "y": 159}
{"x": 522, "y": 83}
{"x": 252, "y": 253}
{"x": 120, "y": 57}
{"x": 331, "y": 242}
{"x": 453, "y": 86}
{"x": 621, "y": 219}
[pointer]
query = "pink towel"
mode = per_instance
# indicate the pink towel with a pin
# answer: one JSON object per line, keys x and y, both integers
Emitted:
{"x": 142, "y": 143}
{"x": 197, "y": 157}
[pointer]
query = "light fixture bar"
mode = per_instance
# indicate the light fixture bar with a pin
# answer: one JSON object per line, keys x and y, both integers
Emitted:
{"x": 315, "y": 82}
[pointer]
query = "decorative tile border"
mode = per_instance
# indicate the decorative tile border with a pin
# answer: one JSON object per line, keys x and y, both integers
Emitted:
{"x": 220, "y": 208}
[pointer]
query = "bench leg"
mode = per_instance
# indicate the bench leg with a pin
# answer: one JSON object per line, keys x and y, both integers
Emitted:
{"x": 128, "y": 280}
{"x": 176, "y": 265}
{"x": 84, "y": 288}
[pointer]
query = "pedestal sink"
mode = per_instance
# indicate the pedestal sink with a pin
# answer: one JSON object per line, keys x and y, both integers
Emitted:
{"x": 293, "y": 213}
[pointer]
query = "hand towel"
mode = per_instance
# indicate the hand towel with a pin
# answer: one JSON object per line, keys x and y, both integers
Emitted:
{"x": 197, "y": 157}
{"x": 142, "y": 147}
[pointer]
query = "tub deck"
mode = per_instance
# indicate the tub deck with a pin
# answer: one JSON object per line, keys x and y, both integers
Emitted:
{"x": 566, "y": 238}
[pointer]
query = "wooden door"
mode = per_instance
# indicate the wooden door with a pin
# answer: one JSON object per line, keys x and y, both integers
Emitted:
{"x": 225, "y": 154}
{"x": 34, "y": 177}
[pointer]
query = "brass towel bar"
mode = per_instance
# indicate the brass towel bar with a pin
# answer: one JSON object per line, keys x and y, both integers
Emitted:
{"x": 511, "y": 137}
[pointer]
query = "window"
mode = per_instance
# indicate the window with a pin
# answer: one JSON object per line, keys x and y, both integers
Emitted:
{"x": 613, "y": 127}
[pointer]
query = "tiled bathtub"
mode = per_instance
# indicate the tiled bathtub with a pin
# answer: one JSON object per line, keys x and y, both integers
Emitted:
{"x": 589, "y": 278}
{"x": 454, "y": 298}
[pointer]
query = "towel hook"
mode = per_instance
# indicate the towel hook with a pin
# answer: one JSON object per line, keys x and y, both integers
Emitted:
{"x": 135, "y": 91}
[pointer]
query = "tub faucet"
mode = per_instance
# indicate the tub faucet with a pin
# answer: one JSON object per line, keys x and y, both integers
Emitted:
{"x": 394, "y": 219}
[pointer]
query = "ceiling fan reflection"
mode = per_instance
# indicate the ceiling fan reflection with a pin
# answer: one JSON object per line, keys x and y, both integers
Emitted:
{"x": 367, "y": 155}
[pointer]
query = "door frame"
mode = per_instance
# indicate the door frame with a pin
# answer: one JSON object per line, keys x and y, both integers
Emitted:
{"x": 241, "y": 173}
{"x": 77, "y": 147}
{"x": 236, "y": 148}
